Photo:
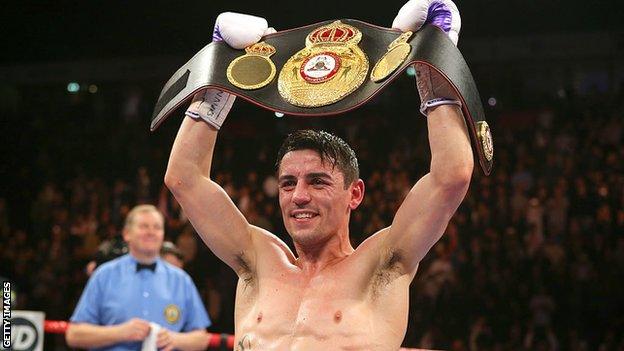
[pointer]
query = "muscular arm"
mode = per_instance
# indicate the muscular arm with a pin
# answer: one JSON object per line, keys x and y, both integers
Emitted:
{"x": 424, "y": 214}
{"x": 213, "y": 214}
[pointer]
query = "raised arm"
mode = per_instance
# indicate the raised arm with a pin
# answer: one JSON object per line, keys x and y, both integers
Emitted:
{"x": 423, "y": 216}
{"x": 213, "y": 214}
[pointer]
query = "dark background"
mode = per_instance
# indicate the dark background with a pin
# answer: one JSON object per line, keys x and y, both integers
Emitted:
{"x": 554, "y": 68}
{"x": 68, "y": 30}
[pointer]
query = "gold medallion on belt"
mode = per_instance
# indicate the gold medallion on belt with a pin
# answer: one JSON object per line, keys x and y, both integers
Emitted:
{"x": 330, "y": 67}
{"x": 393, "y": 58}
{"x": 485, "y": 137}
{"x": 253, "y": 70}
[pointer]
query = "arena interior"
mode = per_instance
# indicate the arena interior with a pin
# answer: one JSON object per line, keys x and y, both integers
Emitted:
{"x": 532, "y": 260}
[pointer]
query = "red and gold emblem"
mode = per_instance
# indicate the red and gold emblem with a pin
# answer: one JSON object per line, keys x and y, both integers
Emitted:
{"x": 330, "y": 67}
{"x": 320, "y": 67}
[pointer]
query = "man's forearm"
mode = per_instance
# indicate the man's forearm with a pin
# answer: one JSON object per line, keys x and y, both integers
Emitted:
{"x": 451, "y": 153}
{"x": 192, "y": 341}
{"x": 192, "y": 151}
{"x": 84, "y": 335}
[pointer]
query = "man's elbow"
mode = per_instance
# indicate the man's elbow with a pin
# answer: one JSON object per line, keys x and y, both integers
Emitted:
{"x": 456, "y": 179}
{"x": 172, "y": 180}
{"x": 177, "y": 178}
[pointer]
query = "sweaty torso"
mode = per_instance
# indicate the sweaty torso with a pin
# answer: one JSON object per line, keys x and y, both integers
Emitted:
{"x": 358, "y": 303}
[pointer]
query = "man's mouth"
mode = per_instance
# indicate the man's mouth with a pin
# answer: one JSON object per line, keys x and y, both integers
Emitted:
{"x": 303, "y": 215}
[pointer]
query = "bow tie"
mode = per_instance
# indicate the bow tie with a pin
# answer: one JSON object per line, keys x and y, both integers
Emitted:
{"x": 151, "y": 266}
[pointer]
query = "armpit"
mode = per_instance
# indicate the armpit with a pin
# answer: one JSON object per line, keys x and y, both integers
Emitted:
{"x": 244, "y": 271}
{"x": 389, "y": 270}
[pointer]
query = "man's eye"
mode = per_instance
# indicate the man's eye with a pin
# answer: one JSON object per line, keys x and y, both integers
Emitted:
{"x": 286, "y": 184}
{"x": 317, "y": 181}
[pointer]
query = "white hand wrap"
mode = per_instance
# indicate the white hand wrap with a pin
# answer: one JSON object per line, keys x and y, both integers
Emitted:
{"x": 211, "y": 105}
{"x": 432, "y": 88}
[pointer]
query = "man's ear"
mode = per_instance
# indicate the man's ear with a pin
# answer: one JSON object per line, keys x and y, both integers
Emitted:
{"x": 357, "y": 194}
{"x": 125, "y": 233}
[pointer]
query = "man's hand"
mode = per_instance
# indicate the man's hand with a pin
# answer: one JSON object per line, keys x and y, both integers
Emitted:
{"x": 134, "y": 330}
{"x": 441, "y": 13}
{"x": 165, "y": 340}
{"x": 432, "y": 88}
{"x": 238, "y": 31}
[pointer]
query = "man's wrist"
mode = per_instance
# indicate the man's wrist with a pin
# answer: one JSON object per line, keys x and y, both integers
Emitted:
{"x": 433, "y": 89}
{"x": 117, "y": 333}
{"x": 426, "y": 105}
{"x": 212, "y": 106}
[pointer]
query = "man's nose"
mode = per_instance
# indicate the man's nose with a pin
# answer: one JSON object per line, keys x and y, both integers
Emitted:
{"x": 152, "y": 231}
{"x": 301, "y": 196}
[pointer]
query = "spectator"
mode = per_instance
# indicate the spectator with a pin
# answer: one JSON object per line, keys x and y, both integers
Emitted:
{"x": 171, "y": 254}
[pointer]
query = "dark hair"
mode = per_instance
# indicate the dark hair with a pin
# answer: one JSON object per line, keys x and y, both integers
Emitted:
{"x": 329, "y": 147}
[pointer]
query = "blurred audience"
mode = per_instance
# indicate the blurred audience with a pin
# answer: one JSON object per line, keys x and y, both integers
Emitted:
{"x": 533, "y": 259}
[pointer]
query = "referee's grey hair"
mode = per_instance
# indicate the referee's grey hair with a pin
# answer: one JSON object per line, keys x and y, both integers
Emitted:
{"x": 140, "y": 209}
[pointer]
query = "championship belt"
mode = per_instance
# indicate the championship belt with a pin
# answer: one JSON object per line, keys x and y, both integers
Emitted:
{"x": 326, "y": 69}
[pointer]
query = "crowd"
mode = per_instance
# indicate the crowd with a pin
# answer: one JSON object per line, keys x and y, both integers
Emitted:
{"x": 533, "y": 259}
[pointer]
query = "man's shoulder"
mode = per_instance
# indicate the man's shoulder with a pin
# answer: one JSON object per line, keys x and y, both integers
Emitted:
{"x": 374, "y": 254}
{"x": 373, "y": 243}
{"x": 110, "y": 267}
{"x": 176, "y": 272}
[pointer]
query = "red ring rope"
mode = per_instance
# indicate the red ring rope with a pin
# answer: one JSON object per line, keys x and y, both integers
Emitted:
{"x": 60, "y": 327}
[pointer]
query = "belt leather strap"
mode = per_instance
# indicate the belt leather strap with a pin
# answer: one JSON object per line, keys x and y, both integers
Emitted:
{"x": 430, "y": 46}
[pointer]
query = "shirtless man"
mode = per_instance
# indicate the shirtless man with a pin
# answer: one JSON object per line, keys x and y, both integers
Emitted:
{"x": 327, "y": 295}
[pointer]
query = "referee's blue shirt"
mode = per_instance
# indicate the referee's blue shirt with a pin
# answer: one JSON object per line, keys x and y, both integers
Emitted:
{"x": 117, "y": 292}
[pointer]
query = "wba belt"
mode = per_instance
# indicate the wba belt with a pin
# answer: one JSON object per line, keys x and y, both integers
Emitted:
{"x": 325, "y": 69}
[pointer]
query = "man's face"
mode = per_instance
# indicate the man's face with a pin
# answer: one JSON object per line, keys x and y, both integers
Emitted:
{"x": 314, "y": 202}
{"x": 146, "y": 234}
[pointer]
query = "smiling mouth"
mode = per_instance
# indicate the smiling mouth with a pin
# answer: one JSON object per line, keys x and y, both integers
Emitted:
{"x": 303, "y": 216}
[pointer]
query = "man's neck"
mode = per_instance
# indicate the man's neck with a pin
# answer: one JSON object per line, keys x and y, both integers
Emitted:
{"x": 314, "y": 258}
{"x": 143, "y": 257}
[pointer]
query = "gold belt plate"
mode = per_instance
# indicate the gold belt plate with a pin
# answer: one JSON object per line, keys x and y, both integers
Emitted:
{"x": 330, "y": 67}
{"x": 393, "y": 58}
{"x": 253, "y": 70}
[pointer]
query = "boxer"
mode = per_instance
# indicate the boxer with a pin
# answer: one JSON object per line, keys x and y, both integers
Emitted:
{"x": 326, "y": 295}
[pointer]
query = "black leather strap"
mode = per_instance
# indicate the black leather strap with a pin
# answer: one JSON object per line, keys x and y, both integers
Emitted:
{"x": 429, "y": 46}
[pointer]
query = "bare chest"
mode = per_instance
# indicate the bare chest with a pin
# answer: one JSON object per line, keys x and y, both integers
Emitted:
{"x": 286, "y": 310}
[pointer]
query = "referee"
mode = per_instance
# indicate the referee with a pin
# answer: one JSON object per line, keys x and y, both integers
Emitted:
{"x": 135, "y": 294}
